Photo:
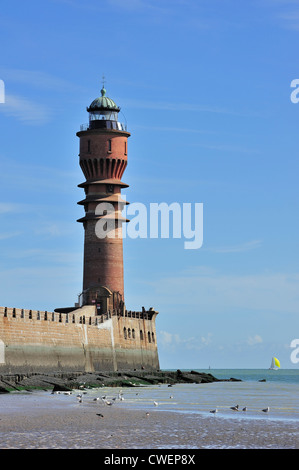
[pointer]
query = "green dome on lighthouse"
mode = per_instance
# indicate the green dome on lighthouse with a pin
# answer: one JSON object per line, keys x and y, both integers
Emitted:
{"x": 103, "y": 103}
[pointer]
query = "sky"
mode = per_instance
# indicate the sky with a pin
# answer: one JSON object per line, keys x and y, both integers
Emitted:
{"x": 204, "y": 87}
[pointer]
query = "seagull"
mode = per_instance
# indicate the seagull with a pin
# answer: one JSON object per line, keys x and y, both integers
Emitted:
{"x": 245, "y": 408}
{"x": 235, "y": 408}
{"x": 155, "y": 403}
{"x": 96, "y": 399}
{"x": 100, "y": 415}
{"x": 214, "y": 411}
{"x": 265, "y": 410}
{"x": 171, "y": 396}
{"x": 108, "y": 402}
{"x": 147, "y": 414}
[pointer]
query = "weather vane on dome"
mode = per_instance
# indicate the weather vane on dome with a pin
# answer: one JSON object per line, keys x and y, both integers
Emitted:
{"x": 103, "y": 91}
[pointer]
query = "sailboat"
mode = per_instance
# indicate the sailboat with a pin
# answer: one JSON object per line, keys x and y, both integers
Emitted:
{"x": 275, "y": 364}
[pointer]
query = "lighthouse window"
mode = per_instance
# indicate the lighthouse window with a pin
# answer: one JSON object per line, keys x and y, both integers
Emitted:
{"x": 125, "y": 148}
{"x": 109, "y": 145}
{"x": 88, "y": 146}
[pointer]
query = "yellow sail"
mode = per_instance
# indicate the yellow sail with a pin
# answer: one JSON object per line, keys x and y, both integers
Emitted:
{"x": 276, "y": 362}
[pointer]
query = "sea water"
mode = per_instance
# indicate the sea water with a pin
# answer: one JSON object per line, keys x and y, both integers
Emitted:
{"x": 256, "y": 390}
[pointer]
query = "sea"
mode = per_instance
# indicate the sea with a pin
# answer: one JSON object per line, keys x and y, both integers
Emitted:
{"x": 257, "y": 390}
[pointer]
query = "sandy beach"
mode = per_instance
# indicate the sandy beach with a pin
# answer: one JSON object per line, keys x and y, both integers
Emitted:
{"x": 79, "y": 426}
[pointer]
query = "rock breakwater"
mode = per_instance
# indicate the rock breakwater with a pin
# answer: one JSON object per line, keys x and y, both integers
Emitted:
{"x": 63, "y": 381}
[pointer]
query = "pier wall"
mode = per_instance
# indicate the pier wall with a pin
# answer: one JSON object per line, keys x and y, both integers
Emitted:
{"x": 41, "y": 341}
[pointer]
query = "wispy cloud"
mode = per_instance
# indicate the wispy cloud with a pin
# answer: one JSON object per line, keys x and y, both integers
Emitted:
{"x": 223, "y": 293}
{"x": 251, "y": 245}
{"x": 7, "y": 235}
{"x": 253, "y": 340}
{"x": 25, "y": 110}
{"x": 230, "y": 148}
{"x": 290, "y": 20}
{"x": 178, "y": 107}
{"x": 35, "y": 177}
{"x": 172, "y": 341}
{"x": 38, "y": 79}
{"x": 7, "y": 207}
{"x": 173, "y": 129}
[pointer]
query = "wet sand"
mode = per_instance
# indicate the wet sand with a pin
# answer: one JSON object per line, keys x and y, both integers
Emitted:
{"x": 78, "y": 426}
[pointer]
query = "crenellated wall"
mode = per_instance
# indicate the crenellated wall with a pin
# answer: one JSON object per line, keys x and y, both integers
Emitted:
{"x": 41, "y": 341}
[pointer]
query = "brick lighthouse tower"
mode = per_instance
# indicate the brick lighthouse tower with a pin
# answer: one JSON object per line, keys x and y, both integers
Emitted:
{"x": 103, "y": 159}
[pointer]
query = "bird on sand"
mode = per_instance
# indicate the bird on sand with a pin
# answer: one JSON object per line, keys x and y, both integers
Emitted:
{"x": 100, "y": 415}
{"x": 235, "y": 408}
{"x": 155, "y": 403}
{"x": 147, "y": 414}
{"x": 245, "y": 408}
{"x": 214, "y": 411}
{"x": 265, "y": 410}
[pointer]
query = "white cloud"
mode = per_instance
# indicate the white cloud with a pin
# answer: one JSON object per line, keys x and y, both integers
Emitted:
{"x": 246, "y": 246}
{"x": 253, "y": 340}
{"x": 168, "y": 106}
{"x": 227, "y": 293}
{"x": 6, "y": 235}
{"x": 25, "y": 110}
{"x": 6, "y": 207}
{"x": 38, "y": 79}
{"x": 172, "y": 341}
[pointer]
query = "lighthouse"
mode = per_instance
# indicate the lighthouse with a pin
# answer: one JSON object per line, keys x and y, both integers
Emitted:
{"x": 98, "y": 333}
{"x": 103, "y": 154}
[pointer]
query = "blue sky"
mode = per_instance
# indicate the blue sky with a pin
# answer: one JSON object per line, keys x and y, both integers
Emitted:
{"x": 204, "y": 87}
